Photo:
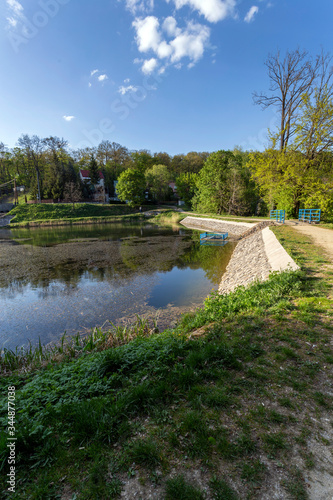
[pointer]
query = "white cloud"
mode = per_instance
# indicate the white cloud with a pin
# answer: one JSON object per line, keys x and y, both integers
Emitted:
{"x": 164, "y": 50}
{"x": 68, "y": 118}
{"x": 251, "y": 13}
{"x": 12, "y": 21}
{"x": 124, "y": 90}
{"x": 16, "y": 13}
{"x": 136, "y": 6}
{"x": 170, "y": 26}
{"x": 190, "y": 43}
{"x": 15, "y": 6}
{"x": 149, "y": 66}
{"x": 89, "y": 84}
{"x": 126, "y": 81}
{"x": 102, "y": 78}
{"x": 212, "y": 10}
{"x": 93, "y": 72}
{"x": 147, "y": 35}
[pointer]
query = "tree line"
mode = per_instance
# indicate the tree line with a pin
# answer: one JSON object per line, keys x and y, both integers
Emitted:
{"x": 45, "y": 166}
{"x": 295, "y": 171}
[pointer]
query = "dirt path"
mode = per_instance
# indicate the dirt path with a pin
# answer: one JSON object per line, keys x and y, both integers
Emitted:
{"x": 320, "y": 478}
{"x": 321, "y": 237}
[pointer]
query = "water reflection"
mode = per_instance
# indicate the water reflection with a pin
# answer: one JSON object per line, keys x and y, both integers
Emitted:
{"x": 71, "y": 278}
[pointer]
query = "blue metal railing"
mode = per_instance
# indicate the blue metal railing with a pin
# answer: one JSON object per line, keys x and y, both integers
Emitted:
{"x": 278, "y": 215}
{"x": 309, "y": 215}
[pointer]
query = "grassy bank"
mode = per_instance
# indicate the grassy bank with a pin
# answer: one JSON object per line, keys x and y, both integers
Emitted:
{"x": 59, "y": 213}
{"x": 226, "y": 406}
{"x": 169, "y": 217}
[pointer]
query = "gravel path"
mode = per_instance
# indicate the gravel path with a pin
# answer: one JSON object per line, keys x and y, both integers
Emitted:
{"x": 321, "y": 237}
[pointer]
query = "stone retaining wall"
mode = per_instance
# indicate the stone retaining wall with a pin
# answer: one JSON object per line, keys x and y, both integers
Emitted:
{"x": 215, "y": 225}
{"x": 248, "y": 263}
{"x": 256, "y": 255}
{"x": 258, "y": 227}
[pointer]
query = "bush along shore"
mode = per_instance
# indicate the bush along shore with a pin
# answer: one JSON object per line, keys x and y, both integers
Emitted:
{"x": 234, "y": 403}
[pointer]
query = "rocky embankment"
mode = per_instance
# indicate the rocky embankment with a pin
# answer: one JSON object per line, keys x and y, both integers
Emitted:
{"x": 257, "y": 253}
{"x": 248, "y": 263}
{"x": 221, "y": 226}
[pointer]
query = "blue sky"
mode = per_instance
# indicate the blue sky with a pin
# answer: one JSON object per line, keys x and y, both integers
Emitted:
{"x": 163, "y": 75}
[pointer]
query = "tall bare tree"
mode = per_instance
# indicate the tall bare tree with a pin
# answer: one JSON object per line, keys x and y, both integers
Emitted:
{"x": 290, "y": 79}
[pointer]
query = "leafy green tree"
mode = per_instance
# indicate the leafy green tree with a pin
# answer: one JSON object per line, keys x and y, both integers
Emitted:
{"x": 314, "y": 132}
{"x": 93, "y": 170}
{"x": 157, "y": 179}
{"x": 131, "y": 187}
{"x": 162, "y": 159}
{"x": 142, "y": 160}
{"x": 114, "y": 159}
{"x": 192, "y": 162}
{"x": 289, "y": 180}
{"x": 83, "y": 156}
{"x": 186, "y": 186}
{"x": 224, "y": 185}
{"x": 33, "y": 147}
{"x": 59, "y": 168}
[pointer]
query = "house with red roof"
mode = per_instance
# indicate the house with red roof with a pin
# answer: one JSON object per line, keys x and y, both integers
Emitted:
{"x": 99, "y": 188}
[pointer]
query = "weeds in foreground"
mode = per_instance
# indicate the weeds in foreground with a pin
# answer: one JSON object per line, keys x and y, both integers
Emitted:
{"x": 34, "y": 357}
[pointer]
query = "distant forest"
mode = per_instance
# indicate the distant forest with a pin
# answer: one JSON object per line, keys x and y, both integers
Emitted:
{"x": 54, "y": 164}
{"x": 225, "y": 182}
{"x": 49, "y": 163}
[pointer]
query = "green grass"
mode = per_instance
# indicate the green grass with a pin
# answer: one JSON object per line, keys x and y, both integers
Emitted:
{"x": 221, "y": 490}
{"x": 178, "y": 488}
{"x": 169, "y": 217}
{"x": 241, "y": 397}
{"x": 82, "y": 212}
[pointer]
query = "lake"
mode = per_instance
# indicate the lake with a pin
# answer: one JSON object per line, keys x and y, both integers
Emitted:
{"x": 73, "y": 278}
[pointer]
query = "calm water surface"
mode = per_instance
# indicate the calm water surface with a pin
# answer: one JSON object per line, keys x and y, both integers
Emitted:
{"x": 71, "y": 279}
